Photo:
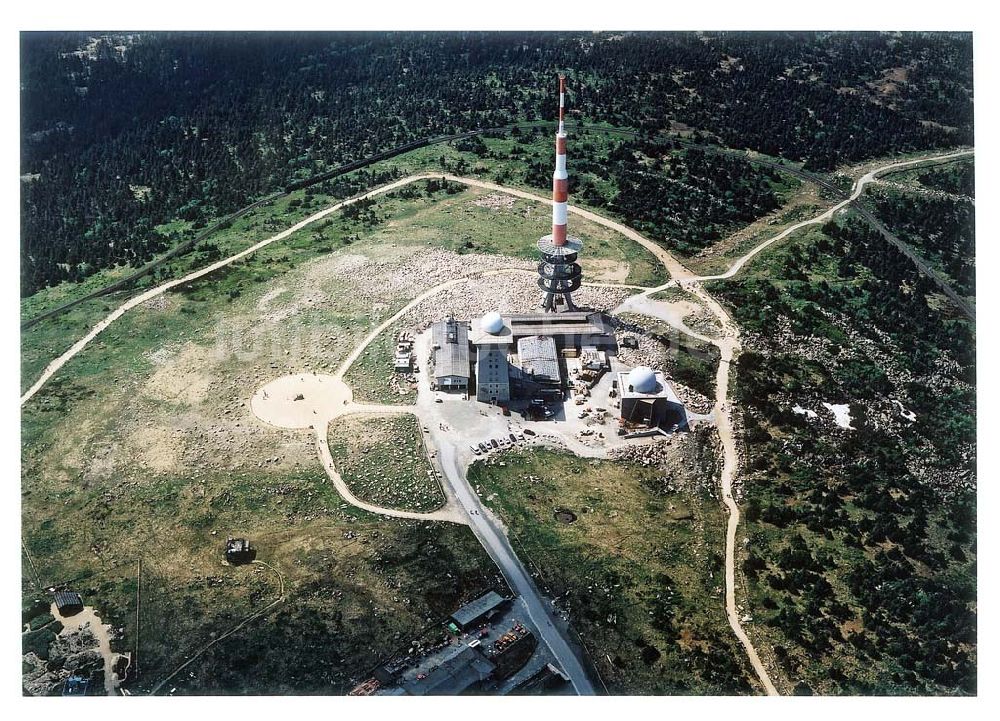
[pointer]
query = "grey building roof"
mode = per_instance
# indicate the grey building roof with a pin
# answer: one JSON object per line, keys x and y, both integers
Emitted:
{"x": 575, "y": 323}
{"x": 457, "y": 672}
{"x": 539, "y": 359}
{"x": 451, "y": 348}
{"x": 475, "y": 609}
{"x": 67, "y": 598}
{"x": 570, "y": 323}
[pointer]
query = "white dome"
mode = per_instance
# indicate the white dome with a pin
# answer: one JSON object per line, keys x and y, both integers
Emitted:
{"x": 642, "y": 379}
{"x": 492, "y": 323}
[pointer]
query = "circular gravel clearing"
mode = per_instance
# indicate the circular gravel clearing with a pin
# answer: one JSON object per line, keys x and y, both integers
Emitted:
{"x": 303, "y": 400}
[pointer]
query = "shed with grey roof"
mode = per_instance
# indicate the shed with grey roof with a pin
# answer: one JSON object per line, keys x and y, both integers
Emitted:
{"x": 472, "y": 613}
{"x": 450, "y": 340}
{"x": 68, "y": 603}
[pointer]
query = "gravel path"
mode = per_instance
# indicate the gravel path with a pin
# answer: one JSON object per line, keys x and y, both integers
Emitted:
{"x": 728, "y": 344}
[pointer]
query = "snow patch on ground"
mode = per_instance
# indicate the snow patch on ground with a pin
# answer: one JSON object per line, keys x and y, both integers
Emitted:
{"x": 907, "y": 414}
{"x": 841, "y": 414}
{"x": 803, "y": 411}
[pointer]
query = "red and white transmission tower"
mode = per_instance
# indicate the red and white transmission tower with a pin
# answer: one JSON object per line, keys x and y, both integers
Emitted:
{"x": 558, "y": 272}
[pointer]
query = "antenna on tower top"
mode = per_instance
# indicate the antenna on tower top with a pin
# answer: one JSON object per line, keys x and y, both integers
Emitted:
{"x": 562, "y": 103}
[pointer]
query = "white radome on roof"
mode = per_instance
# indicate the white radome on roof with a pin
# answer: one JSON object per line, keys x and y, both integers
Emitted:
{"x": 492, "y": 323}
{"x": 642, "y": 379}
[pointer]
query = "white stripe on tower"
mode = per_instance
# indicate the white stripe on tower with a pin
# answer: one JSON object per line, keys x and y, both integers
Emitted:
{"x": 560, "y": 178}
{"x": 562, "y": 102}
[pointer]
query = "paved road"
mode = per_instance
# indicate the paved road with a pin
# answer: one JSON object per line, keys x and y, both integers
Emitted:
{"x": 492, "y": 539}
{"x": 446, "y": 513}
{"x": 497, "y": 545}
{"x": 484, "y": 527}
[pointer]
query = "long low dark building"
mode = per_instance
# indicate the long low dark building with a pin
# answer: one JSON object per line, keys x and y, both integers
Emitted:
{"x": 569, "y": 330}
{"x": 476, "y": 611}
{"x": 68, "y": 603}
{"x": 463, "y": 669}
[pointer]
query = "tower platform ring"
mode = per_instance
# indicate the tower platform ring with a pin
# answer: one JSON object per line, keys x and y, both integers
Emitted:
{"x": 560, "y": 271}
{"x": 545, "y": 245}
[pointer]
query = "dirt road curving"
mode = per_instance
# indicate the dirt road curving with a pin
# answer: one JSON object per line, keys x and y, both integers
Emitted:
{"x": 138, "y": 300}
{"x": 858, "y": 189}
{"x": 673, "y": 266}
{"x": 462, "y": 507}
{"x": 448, "y": 512}
{"x": 310, "y": 401}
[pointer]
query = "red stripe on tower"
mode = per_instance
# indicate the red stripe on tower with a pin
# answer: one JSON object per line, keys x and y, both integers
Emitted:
{"x": 560, "y": 191}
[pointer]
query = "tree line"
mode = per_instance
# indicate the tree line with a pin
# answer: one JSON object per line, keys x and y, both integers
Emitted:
{"x": 143, "y": 129}
{"x": 871, "y": 580}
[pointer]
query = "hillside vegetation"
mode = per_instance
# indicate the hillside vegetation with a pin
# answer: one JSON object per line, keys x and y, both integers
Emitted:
{"x": 638, "y": 569}
{"x": 122, "y": 135}
{"x": 861, "y": 560}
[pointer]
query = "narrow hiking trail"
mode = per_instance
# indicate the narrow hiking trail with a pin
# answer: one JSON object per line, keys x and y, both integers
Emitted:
{"x": 727, "y": 342}
{"x": 677, "y": 271}
{"x": 138, "y": 300}
{"x": 859, "y": 188}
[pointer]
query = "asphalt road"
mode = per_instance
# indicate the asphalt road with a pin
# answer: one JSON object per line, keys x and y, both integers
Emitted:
{"x": 486, "y": 530}
{"x": 497, "y": 545}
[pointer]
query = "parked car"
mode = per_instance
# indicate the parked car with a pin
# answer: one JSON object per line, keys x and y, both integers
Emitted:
{"x": 493, "y": 442}
{"x": 513, "y": 438}
{"x": 520, "y": 437}
{"x": 475, "y": 449}
{"x": 484, "y": 447}
{"x": 528, "y": 432}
